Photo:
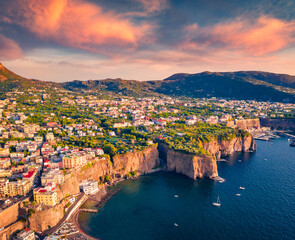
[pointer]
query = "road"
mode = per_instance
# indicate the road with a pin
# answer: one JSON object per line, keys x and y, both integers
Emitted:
{"x": 65, "y": 217}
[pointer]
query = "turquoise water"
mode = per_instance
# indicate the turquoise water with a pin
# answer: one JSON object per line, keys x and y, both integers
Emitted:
{"x": 146, "y": 208}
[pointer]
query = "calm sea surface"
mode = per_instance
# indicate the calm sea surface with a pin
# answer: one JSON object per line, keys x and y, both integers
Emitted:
{"x": 146, "y": 208}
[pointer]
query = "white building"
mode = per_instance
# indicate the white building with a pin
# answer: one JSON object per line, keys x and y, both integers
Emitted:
{"x": 89, "y": 187}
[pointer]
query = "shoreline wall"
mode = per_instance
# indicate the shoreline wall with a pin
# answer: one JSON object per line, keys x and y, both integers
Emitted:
{"x": 6, "y": 233}
{"x": 11, "y": 214}
{"x": 247, "y": 123}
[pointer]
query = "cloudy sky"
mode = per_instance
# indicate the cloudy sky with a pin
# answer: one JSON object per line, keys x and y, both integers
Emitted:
{"x": 62, "y": 40}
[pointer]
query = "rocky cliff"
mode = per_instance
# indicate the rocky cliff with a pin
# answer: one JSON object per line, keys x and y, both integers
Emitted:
{"x": 205, "y": 165}
{"x": 42, "y": 220}
{"x": 143, "y": 162}
{"x": 220, "y": 149}
{"x": 188, "y": 164}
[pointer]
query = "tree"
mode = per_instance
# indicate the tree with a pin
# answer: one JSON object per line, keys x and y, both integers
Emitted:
{"x": 110, "y": 149}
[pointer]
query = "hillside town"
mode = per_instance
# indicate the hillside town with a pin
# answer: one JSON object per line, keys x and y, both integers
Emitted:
{"x": 45, "y": 137}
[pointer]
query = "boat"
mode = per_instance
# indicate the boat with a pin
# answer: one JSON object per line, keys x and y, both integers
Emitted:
{"x": 242, "y": 188}
{"x": 240, "y": 160}
{"x": 218, "y": 203}
{"x": 176, "y": 196}
{"x": 218, "y": 179}
{"x": 265, "y": 159}
{"x": 221, "y": 160}
{"x": 238, "y": 194}
{"x": 175, "y": 224}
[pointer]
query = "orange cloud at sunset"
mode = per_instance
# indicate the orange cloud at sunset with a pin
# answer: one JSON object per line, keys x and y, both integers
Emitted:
{"x": 78, "y": 24}
{"x": 263, "y": 36}
{"x": 9, "y": 49}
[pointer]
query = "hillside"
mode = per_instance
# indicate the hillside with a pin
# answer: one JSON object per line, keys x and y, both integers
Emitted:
{"x": 11, "y": 81}
{"x": 248, "y": 85}
{"x": 239, "y": 85}
{"x": 124, "y": 87}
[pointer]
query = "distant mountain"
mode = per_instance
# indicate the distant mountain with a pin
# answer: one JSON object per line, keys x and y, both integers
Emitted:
{"x": 125, "y": 87}
{"x": 239, "y": 85}
{"x": 273, "y": 78}
{"x": 248, "y": 85}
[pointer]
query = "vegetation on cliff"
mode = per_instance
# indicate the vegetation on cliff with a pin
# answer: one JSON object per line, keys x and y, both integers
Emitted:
{"x": 190, "y": 138}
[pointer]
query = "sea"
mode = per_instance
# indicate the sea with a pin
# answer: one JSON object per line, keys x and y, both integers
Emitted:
{"x": 171, "y": 206}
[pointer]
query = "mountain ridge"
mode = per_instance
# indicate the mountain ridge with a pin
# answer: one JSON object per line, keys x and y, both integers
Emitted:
{"x": 247, "y": 85}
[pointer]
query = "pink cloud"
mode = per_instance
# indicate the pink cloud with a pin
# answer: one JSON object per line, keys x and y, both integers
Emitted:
{"x": 79, "y": 24}
{"x": 259, "y": 37}
{"x": 9, "y": 49}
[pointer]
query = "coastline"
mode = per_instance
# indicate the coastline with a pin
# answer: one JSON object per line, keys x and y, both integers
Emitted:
{"x": 100, "y": 198}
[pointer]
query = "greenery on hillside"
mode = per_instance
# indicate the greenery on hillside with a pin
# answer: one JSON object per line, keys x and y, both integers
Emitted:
{"x": 260, "y": 86}
{"x": 190, "y": 138}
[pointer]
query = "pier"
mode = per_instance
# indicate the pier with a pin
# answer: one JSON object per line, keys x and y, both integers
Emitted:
{"x": 284, "y": 133}
{"x": 88, "y": 210}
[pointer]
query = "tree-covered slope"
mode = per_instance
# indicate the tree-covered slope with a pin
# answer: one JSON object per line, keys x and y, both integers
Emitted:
{"x": 238, "y": 85}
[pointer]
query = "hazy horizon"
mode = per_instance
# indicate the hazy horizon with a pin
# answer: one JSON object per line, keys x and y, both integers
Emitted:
{"x": 65, "y": 40}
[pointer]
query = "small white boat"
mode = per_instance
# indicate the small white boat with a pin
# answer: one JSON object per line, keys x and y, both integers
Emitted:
{"x": 238, "y": 194}
{"x": 221, "y": 160}
{"x": 242, "y": 188}
{"x": 240, "y": 160}
{"x": 218, "y": 203}
{"x": 219, "y": 179}
{"x": 265, "y": 159}
{"x": 175, "y": 196}
{"x": 175, "y": 224}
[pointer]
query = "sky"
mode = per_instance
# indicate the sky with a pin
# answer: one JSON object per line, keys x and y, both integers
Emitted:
{"x": 64, "y": 40}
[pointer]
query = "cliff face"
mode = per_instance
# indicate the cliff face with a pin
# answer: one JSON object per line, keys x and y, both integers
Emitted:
{"x": 6, "y": 233}
{"x": 203, "y": 166}
{"x": 279, "y": 123}
{"x": 142, "y": 162}
{"x": 98, "y": 168}
{"x": 42, "y": 220}
{"x": 225, "y": 148}
{"x": 191, "y": 165}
